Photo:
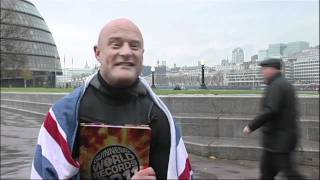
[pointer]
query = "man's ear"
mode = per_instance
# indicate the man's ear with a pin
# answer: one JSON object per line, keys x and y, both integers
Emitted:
{"x": 96, "y": 52}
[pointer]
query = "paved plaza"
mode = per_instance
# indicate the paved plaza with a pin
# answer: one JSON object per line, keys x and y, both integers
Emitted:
{"x": 18, "y": 139}
{"x": 207, "y": 168}
{"x": 19, "y": 134}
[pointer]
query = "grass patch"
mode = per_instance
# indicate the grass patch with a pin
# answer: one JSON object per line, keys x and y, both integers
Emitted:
{"x": 308, "y": 93}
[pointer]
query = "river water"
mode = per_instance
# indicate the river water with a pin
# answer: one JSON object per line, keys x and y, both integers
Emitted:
{"x": 18, "y": 139}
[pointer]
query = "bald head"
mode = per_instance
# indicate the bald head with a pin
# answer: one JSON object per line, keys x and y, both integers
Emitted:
{"x": 120, "y": 52}
{"x": 115, "y": 25}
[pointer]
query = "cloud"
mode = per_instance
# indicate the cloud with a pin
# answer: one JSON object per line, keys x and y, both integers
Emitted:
{"x": 183, "y": 32}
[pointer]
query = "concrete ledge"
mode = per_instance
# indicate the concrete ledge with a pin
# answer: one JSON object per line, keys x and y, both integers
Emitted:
{"x": 197, "y": 104}
{"x": 245, "y": 149}
{"x": 232, "y": 127}
{"x": 194, "y": 125}
{"x": 231, "y": 105}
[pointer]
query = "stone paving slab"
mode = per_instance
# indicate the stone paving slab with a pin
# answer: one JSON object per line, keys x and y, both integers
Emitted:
{"x": 18, "y": 139}
{"x": 207, "y": 168}
{"x": 246, "y": 149}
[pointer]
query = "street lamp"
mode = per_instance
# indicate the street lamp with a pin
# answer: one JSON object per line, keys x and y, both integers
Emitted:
{"x": 254, "y": 76}
{"x": 55, "y": 72}
{"x": 203, "y": 85}
{"x": 152, "y": 72}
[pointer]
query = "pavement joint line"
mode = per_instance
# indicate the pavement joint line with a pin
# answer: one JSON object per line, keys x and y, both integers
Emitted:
{"x": 12, "y": 109}
{"x": 31, "y": 102}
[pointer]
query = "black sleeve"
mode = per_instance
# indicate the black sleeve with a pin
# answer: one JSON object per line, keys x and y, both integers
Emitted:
{"x": 270, "y": 108}
{"x": 160, "y": 142}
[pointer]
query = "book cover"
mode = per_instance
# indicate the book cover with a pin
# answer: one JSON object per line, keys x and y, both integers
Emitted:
{"x": 113, "y": 152}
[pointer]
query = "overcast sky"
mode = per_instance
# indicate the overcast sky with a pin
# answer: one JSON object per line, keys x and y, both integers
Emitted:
{"x": 182, "y": 31}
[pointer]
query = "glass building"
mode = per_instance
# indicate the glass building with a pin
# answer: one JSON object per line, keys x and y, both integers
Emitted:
{"x": 29, "y": 56}
{"x": 237, "y": 56}
{"x": 282, "y": 50}
{"x": 294, "y": 47}
{"x": 276, "y": 50}
{"x": 262, "y": 55}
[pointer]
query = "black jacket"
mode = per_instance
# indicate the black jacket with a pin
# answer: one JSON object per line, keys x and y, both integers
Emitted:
{"x": 128, "y": 106}
{"x": 278, "y": 116}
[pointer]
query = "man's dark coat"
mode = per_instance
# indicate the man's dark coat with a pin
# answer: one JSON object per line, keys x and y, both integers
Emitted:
{"x": 278, "y": 116}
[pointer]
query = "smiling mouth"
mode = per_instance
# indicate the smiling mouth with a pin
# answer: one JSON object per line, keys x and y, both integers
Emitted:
{"x": 125, "y": 64}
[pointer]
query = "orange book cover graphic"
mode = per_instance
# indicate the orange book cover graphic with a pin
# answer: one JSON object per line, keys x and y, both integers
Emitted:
{"x": 113, "y": 152}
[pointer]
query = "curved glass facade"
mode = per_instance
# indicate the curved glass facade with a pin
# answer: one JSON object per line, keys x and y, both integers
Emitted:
{"x": 29, "y": 55}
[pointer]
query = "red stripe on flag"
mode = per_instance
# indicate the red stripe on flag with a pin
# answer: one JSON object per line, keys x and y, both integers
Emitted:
{"x": 186, "y": 172}
{"x": 52, "y": 128}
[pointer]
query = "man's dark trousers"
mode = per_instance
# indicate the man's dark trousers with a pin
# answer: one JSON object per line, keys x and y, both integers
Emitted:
{"x": 274, "y": 162}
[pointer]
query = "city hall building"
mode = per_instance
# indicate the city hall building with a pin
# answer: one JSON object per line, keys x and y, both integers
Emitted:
{"x": 29, "y": 56}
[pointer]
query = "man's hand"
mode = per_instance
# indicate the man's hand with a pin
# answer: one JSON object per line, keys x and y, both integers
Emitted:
{"x": 147, "y": 173}
{"x": 246, "y": 130}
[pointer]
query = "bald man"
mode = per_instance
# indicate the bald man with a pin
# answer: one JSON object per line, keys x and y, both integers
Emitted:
{"x": 114, "y": 95}
{"x": 120, "y": 53}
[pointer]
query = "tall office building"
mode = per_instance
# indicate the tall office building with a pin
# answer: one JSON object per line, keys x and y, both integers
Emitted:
{"x": 254, "y": 58}
{"x": 237, "y": 56}
{"x": 276, "y": 50}
{"x": 29, "y": 55}
{"x": 281, "y": 50}
{"x": 294, "y": 47}
{"x": 262, "y": 55}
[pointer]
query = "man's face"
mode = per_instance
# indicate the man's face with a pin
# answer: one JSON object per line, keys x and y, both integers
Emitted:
{"x": 120, "y": 52}
{"x": 268, "y": 72}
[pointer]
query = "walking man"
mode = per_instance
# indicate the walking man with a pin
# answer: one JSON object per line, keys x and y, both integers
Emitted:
{"x": 278, "y": 118}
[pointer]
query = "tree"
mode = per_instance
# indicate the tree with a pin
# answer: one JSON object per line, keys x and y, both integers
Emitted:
{"x": 26, "y": 74}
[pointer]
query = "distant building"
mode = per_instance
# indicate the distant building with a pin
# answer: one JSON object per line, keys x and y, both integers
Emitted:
{"x": 245, "y": 77}
{"x": 161, "y": 74}
{"x": 237, "y": 56}
{"x": 87, "y": 65}
{"x": 254, "y": 58}
{"x": 281, "y": 50}
{"x": 29, "y": 56}
{"x": 175, "y": 68}
{"x": 276, "y": 50}
{"x": 163, "y": 63}
{"x": 306, "y": 66}
{"x": 262, "y": 55}
{"x": 73, "y": 77}
{"x": 287, "y": 69}
{"x": 224, "y": 62}
{"x": 192, "y": 70}
{"x": 300, "y": 68}
{"x": 161, "y": 70}
{"x": 294, "y": 47}
{"x": 146, "y": 70}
